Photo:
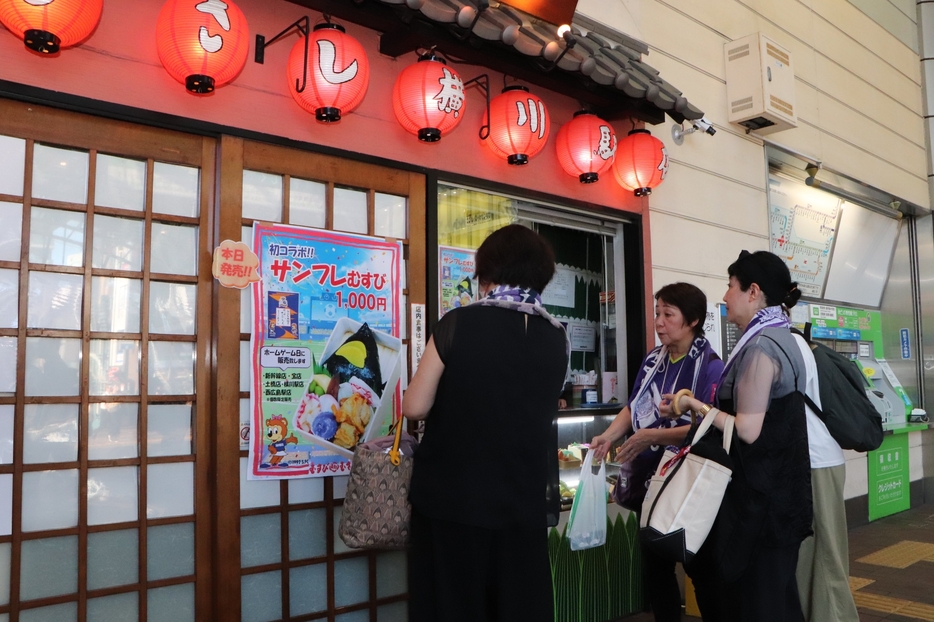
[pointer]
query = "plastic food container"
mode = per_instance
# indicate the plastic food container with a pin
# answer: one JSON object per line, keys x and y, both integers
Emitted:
{"x": 390, "y": 363}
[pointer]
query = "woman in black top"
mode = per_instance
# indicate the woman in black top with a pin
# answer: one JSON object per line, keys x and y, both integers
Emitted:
{"x": 745, "y": 571}
{"x": 484, "y": 485}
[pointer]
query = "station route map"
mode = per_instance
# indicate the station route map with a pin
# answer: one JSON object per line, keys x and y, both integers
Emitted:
{"x": 802, "y": 228}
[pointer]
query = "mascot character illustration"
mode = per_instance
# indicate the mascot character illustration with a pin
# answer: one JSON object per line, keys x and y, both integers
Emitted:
{"x": 276, "y": 429}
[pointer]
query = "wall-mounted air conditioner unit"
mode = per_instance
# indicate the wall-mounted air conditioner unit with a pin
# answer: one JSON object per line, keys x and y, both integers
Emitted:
{"x": 760, "y": 84}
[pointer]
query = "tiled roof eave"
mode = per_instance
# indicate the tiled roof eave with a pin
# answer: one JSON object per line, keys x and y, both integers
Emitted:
{"x": 607, "y": 75}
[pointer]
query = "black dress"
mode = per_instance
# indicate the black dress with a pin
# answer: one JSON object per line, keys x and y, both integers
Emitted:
{"x": 484, "y": 485}
{"x": 746, "y": 568}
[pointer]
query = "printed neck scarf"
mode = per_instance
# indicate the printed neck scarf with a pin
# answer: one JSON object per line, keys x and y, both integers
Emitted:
{"x": 698, "y": 355}
{"x": 769, "y": 317}
{"x": 523, "y": 300}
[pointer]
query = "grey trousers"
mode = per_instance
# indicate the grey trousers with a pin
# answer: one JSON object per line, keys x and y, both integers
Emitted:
{"x": 823, "y": 561}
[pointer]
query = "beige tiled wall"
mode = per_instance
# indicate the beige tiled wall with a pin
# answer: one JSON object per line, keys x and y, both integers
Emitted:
{"x": 859, "y": 100}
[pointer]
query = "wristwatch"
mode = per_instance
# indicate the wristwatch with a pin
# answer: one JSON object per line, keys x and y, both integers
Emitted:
{"x": 703, "y": 410}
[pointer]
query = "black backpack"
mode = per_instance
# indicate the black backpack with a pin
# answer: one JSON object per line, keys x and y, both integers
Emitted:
{"x": 850, "y": 417}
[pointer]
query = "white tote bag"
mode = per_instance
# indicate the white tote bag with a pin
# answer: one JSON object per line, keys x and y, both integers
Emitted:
{"x": 684, "y": 497}
{"x": 587, "y": 524}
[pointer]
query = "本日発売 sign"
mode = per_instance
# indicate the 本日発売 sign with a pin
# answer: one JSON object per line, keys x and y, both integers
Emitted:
{"x": 325, "y": 351}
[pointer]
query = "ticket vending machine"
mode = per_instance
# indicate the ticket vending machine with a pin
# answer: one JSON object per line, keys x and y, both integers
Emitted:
{"x": 855, "y": 333}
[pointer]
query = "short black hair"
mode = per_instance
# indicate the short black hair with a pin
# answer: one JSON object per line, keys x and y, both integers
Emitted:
{"x": 769, "y": 272}
{"x": 516, "y": 255}
{"x": 690, "y": 300}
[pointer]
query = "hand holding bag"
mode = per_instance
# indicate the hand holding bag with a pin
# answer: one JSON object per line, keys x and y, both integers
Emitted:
{"x": 587, "y": 524}
{"x": 633, "y": 480}
{"x": 685, "y": 493}
{"x": 376, "y": 510}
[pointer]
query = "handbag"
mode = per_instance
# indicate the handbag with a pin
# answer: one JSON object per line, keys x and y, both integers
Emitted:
{"x": 633, "y": 480}
{"x": 685, "y": 493}
{"x": 377, "y": 511}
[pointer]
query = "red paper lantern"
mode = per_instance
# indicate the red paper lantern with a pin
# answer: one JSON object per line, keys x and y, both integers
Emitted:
{"x": 202, "y": 43}
{"x": 519, "y": 125}
{"x": 338, "y": 73}
{"x": 428, "y": 98}
{"x": 586, "y": 146}
{"x": 47, "y": 25}
{"x": 641, "y": 162}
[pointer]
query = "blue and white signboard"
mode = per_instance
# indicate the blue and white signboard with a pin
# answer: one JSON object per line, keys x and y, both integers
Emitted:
{"x": 906, "y": 343}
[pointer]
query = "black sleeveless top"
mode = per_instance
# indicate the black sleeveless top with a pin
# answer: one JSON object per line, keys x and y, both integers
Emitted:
{"x": 768, "y": 501}
{"x": 488, "y": 457}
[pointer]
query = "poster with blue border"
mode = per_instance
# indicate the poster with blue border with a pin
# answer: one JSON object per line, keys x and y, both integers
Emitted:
{"x": 458, "y": 288}
{"x": 326, "y": 354}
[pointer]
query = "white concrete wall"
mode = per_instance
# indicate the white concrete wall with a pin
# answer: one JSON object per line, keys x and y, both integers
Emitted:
{"x": 859, "y": 100}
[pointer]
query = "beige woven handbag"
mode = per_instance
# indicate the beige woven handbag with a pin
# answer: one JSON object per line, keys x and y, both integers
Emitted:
{"x": 376, "y": 507}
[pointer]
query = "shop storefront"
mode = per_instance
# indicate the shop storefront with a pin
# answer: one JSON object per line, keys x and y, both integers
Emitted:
{"x": 135, "y": 482}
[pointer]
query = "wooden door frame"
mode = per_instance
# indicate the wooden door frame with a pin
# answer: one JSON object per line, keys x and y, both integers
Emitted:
{"x": 38, "y": 123}
{"x": 234, "y": 155}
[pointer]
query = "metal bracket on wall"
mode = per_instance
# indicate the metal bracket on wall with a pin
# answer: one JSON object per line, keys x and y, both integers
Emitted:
{"x": 483, "y": 82}
{"x": 303, "y": 26}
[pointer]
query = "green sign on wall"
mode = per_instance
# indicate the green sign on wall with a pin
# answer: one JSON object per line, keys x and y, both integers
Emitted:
{"x": 888, "y": 477}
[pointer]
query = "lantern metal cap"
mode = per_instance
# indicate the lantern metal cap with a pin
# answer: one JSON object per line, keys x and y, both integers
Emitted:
{"x": 329, "y": 25}
{"x": 41, "y": 41}
{"x": 643, "y": 192}
{"x": 198, "y": 83}
{"x": 429, "y": 134}
{"x": 518, "y": 159}
{"x": 516, "y": 87}
{"x": 430, "y": 55}
{"x": 328, "y": 114}
{"x": 589, "y": 178}
{"x": 583, "y": 111}
{"x": 639, "y": 131}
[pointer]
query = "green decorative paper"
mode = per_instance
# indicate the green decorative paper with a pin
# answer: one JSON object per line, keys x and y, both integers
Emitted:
{"x": 599, "y": 584}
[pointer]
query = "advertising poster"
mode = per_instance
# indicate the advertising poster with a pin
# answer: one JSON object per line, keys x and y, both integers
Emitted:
{"x": 458, "y": 287}
{"x": 326, "y": 353}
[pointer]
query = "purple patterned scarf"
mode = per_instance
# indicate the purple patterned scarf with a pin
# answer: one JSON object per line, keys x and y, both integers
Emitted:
{"x": 523, "y": 300}
{"x": 769, "y": 317}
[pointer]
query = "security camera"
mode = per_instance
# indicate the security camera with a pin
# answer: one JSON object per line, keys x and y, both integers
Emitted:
{"x": 703, "y": 125}
{"x": 698, "y": 125}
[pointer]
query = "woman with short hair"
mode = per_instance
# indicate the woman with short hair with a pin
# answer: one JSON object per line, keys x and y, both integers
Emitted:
{"x": 685, "y": 360}
{"x": 485, "y": 481}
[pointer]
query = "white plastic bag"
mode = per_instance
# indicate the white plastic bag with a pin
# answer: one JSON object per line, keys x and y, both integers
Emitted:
{"x": 587, "y": 525}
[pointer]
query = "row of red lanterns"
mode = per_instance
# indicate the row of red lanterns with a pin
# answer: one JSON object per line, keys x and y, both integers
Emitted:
{"x": 205, "y": 43}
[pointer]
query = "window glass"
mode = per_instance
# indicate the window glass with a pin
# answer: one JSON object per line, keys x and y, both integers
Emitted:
{"x": 175, "y": 189}
{"x": 59, "y": 174}
{"x": 120, "y": 182}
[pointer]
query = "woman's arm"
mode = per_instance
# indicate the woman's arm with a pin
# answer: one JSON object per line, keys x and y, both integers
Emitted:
{"x": 753, "y": 392}
{"x": 646, "y": 437}
{"x": 420, "y": 396}
{"x": 620, "y": 426}
{"x": 748, "y": 425}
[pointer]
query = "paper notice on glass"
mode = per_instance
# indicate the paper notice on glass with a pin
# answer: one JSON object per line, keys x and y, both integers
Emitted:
{"x": 418, "y": 334}
{"x": 712, "y": 327}
{"x": 583, "y": 338}
{"x": 560, "y": 291}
